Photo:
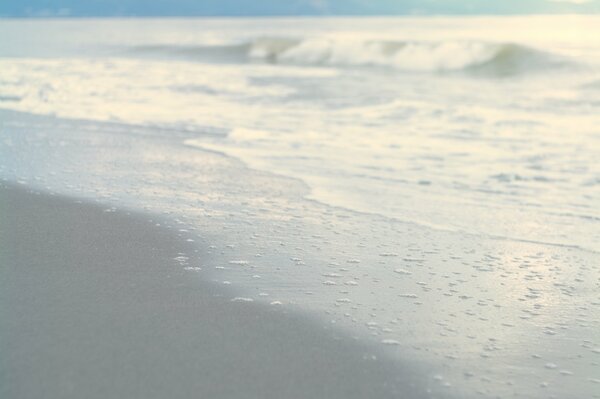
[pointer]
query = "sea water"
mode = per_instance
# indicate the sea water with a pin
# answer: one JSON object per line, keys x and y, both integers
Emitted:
{"x": 430, "y": 184}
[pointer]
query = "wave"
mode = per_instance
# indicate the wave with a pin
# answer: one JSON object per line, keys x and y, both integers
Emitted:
{"x": 475, "y": 57}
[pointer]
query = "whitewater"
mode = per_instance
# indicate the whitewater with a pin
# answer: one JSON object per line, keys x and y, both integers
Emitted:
{"x": 428, "y": 183}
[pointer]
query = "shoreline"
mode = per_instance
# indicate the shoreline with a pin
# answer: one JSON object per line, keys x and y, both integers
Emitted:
{"x": 432, "y": 301}
{"x": 301, "y": 189}
{"x": 94, "y": 305}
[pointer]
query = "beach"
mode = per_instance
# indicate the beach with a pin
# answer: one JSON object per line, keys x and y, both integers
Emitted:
{"x": 300, "y": 207}
{"x": 94, "y": 305}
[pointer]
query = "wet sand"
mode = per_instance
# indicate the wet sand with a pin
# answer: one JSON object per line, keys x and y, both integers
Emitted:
{"x": 92, "y": 305}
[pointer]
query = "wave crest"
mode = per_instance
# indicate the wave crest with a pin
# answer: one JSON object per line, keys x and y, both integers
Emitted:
{"x": 482, "y": 57}
{"x": 445, "y": 56}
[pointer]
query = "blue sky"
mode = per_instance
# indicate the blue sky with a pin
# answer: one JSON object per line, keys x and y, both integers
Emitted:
{"x": 40, "y": 8}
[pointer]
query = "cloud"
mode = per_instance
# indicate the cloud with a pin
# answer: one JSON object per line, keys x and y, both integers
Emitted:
{"x": 571, "y": 1}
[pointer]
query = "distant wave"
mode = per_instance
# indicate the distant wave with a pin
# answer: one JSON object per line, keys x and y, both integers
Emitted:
{"x": 497, "y": 59}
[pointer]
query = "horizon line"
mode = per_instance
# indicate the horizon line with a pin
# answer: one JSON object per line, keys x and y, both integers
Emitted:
{"x": 224, "y": 16}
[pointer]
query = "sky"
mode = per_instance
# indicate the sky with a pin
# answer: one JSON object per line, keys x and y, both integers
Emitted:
{"x": 74, "y": 8}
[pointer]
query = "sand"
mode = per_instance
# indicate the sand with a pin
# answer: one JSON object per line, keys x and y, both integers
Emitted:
{"x": 92, "y": 305}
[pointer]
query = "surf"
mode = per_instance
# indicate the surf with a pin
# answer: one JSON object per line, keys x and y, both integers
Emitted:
{"x": 469, "y": 57}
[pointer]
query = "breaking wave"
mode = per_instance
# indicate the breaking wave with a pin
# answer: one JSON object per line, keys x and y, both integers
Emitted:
{"x": 497, "y": 59}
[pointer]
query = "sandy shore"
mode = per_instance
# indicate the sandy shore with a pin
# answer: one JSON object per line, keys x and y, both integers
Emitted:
{"x": 93, "y": 306}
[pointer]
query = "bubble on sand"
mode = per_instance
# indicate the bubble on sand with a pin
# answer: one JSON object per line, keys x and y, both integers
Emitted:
{"x": 242, "y": 299}
{"x": 238, "y": 262}
{"x": 407, "y": 295}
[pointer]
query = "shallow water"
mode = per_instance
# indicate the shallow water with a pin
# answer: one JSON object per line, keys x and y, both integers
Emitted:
{"x": 483, "y": 125}
{"x": 429, "y": 184}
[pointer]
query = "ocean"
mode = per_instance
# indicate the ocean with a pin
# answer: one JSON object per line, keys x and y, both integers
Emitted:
{"x": 428, "y": 183}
